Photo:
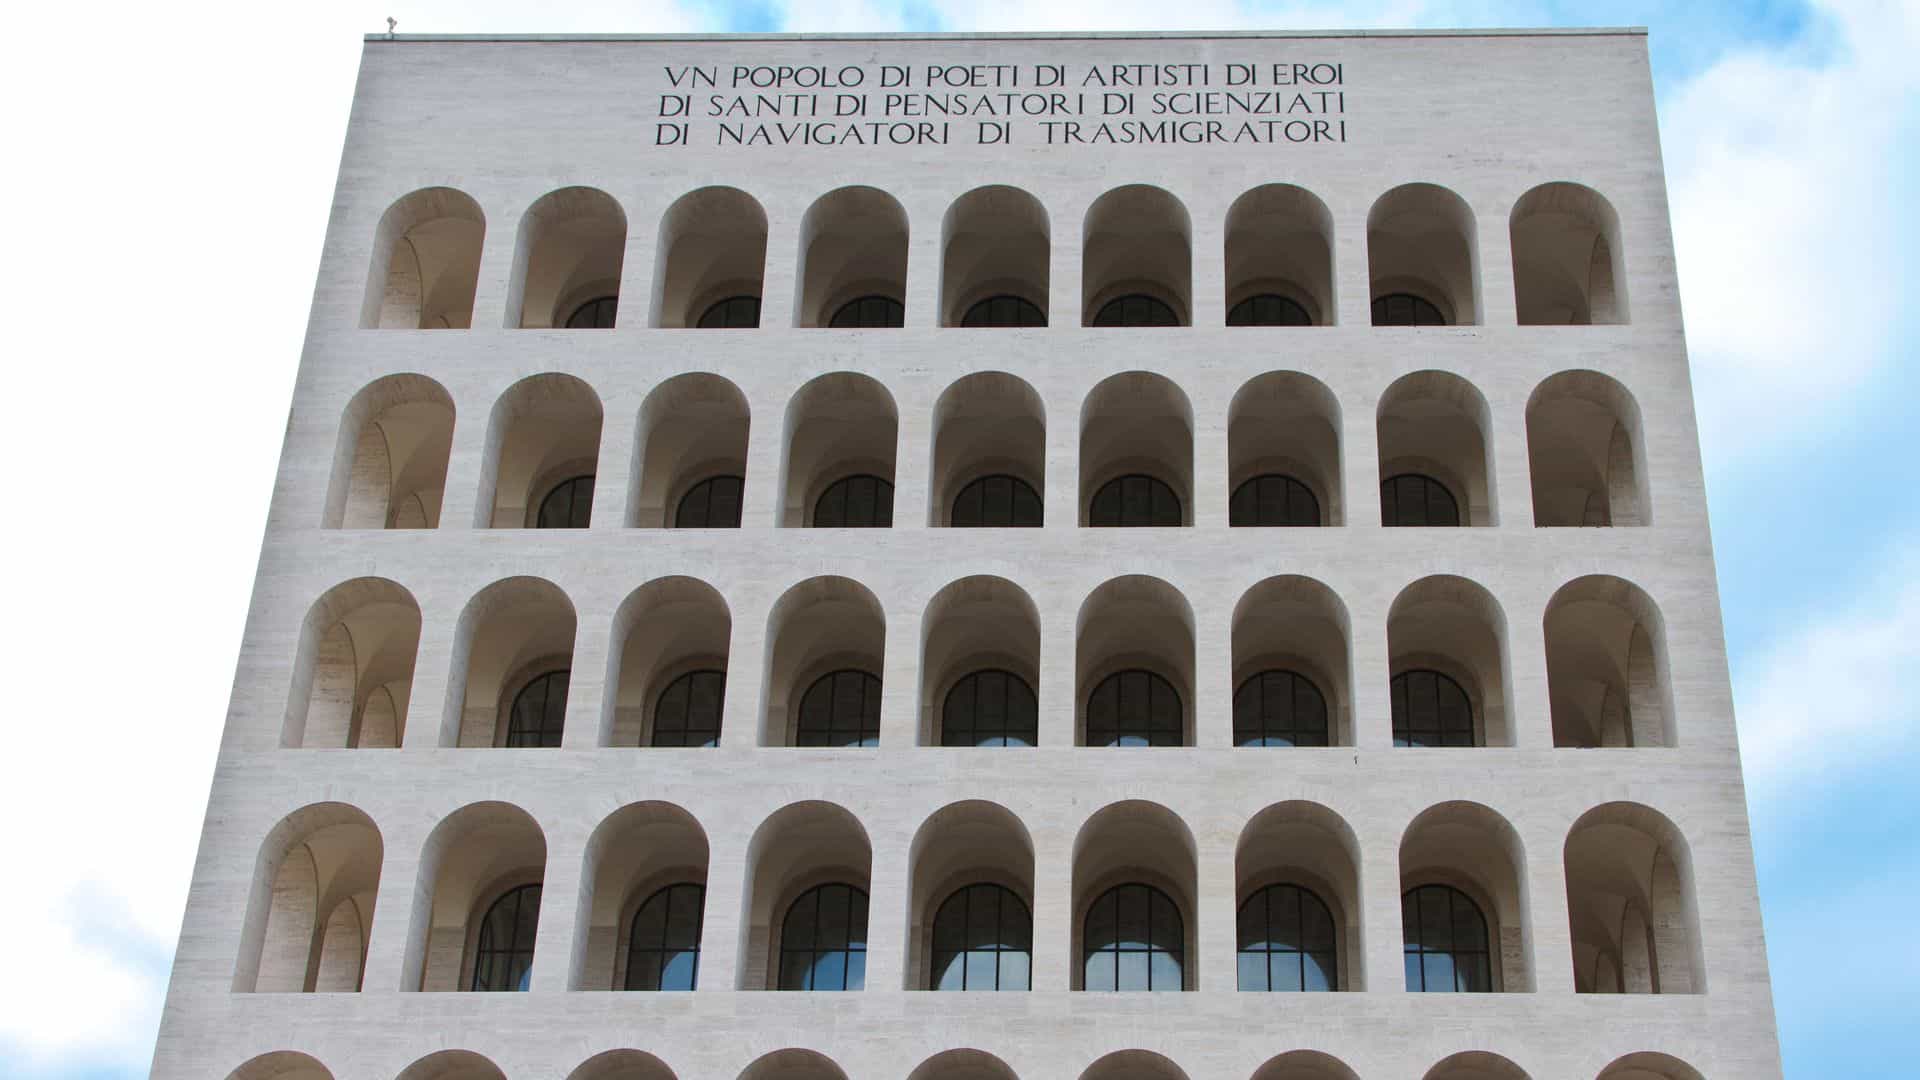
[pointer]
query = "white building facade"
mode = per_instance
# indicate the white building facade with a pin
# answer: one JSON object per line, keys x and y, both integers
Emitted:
{"x": 1283, "y": 643}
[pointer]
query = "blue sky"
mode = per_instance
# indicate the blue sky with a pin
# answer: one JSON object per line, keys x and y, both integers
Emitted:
{"x": 1789, "y": 131}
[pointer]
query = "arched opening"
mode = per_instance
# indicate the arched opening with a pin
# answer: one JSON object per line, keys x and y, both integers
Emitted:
{"x": 353, "y": 675}
{"x": 622, "y": 1065}
{"x": 1586, "y": 452}
{"x": 1305, "y": 1065}
{"x": 1283, "y": 453}
{"x": 832, "y": 629}
{"x": 1422, "y": 258}
{"x": 989, "y": 453}
{"x": 1138, "y": 253}
{"x": 390, "y": 466}
{"x": 513, "y": 647}
{"x": 1134, "y": 900}
{"x": 980, "y": 665}
{"x": 1447, "y": 647}
{"x": 1133, "y": 1065}
{"x": 477, "y": 904}
{"x": 1279, "y": 253}
{"x": 669, "y": 650}
{"x": 793, "y": 1065}
{"x": 1136, "y": 453}
{"x": 452, "y": 1065}
{"x": 972, "y": 901}
{"x": 572, "y": 244}
{"x": 690, "y": 457}
{"x": 642, "y": 901}
{"x": 809, "y": 868}
{"x": 1297, "y": 892}
{"x": 1476, "y": 1065}
{"x": 314, "y": 885}
{"x": 841, "y": 434}
{"x": 966, "y": 1064}
{"x": 1630, "y": 898}
{"x": 711, "y": 260}
{"x": 995, "y": 259}
{"x": 426, "y": 261}
{"x": 1607, "y": 681}
{"x": 543, "y": 439}
{"x": 281, "y": 1065}
{"x": 1134, "y": 665}
{"x": 853, "y": 248}
{"x": 1292, "y": 681}
{"x": 1463, "y": 903}
{"x": 1433, "y": 435}
{"x": 1567, "y": 266}
{"x": 1648, "y": 1065}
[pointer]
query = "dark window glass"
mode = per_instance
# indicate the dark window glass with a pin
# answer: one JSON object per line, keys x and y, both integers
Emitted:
{"x": 982, "y": 940}
{"x": 1406, "y": 309}
{"x": 1273, "y": 499}
{"x": 1286, "y": 941}
{"x": 855, "y": 502}
{"x": 1004, "y": 311}
{"x": 713, "y": 503}
{"x": 688, "y": 713}
{"x": 733, "y": 313}
{"x": 595, "y": 314}
{"x": 1412, "y": 499}
{"x": 997, "y": 502}
{"x": 1446, "y": 942}
{"x": 663, "y": 949}
{"x": 1279, "y": 708}
{"x": 1134, "y": 500}
{"x": 1135, "y": 708}
{"x": 990, "y": 708}
{"x": 1135, "y": 940}
{"x": 1138, "y": 309}
{"x": 841, "y": 708}
{"x": 1268, "y": 310}
{"x": 823, "y": 942}
{"x": 568, "y": 506}
{"x": 503, "y": 957}
{"x": 869, "y": 313}
{"x": 1430, "y": 709}
{"x": 539, "y": 711}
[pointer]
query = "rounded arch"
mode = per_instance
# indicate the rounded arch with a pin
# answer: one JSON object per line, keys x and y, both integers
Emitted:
{"x": 1469, "y": 847}
{"x": 1128, "y": 842}
{"x": 426, "y": 261}
{"x": 1297, "y": 842}
{"x": 820, "y": 625}
{"x": 1476, "y": 1065}
{"x": 633, "y": 853}
{"x": 799, "y": 846}
{"x": 1634, "y": 914}
{"x": 353, "y": 667}
{"x": 1453, "y": 626}
{"x": 1134, "y": 1065}
{"x": 315, "y": 880}
{"x": 572, "y": 244}
{"x": 545, "y": 429}
{"x": 390, "y": 461}
{"x": 1567, "y": 262}
{"x": 665, "y": 629}
{"x": 1305, "y": 1065}
{"x": 975, "y": 624}
{"x": 1435, "y": 423}
{"x": 510, "y": 633}
{"x": 994, "y": 241}
{"x": 1138, "y": 240}
{"x": 1279, "y": 242}
{"x": 963, "y": 1064}
{"x": 1288, "y": 423}
{"x": 1136, "y": 422}
{"x": 985, "y": 423}
{"x": 281, "y": 1065}
{"x": 692, "y": 428}
{"x": 838, "y": 425}
{"x": 1289, "y": 622}
{"x": 1586, "y": 452}
{"x": 452, "y": 1065}
{"x": 712, "y": 246}
{"x": 853, "y": 243}
{"x": 1649, "y": 1065}
{"x": 793, "y": 1064}
{"x": 1422, "y": 241}
{"x": 971, "y": 842}
{"x": 1608, "y": 681}
{"x": 1135, "y": 622}
{"x": 622, "y": 1065}
{"x": 475, "y": 855}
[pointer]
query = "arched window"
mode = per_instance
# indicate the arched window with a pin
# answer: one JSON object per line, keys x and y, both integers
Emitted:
{"x": 1406, "y": 309}
{"x": 1137, "y": 309}
{"x": 1430, "y": 709}
{"x": 1273, "y": 499}
{"x": 1011, "y": 311}
{"x": 1268, "y": 309}
{"x": 1135, "y": 940}
{"x": 855, "y": 502}
{"x": 503, "y": 957}
{"x": 997, "y": 502}
{"x": 869, "y": 313}
{"x": 713, "y": 503}
{"x": 990, "y": 708}
{"x": 1412, "y": 499}
{"x": 1134, "y": 708}
{"x": 568, "y": 506}
{"x": 1286, "y": 941}
{"x": 1279, "y": 708}
{"x": 539, "y": 711}
{"x": 663, "y": 949}
{"x": 841, "y": 708}
{"x": 688, "y": 713}
{"x": 595, "y": 314}
{"x": 823, "y": 942}
{"x": 1134, "y": 500}
{"x": 982, "y": 940}
{"x": 1446, "y": 942}
{"x": 733, "y": 313}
